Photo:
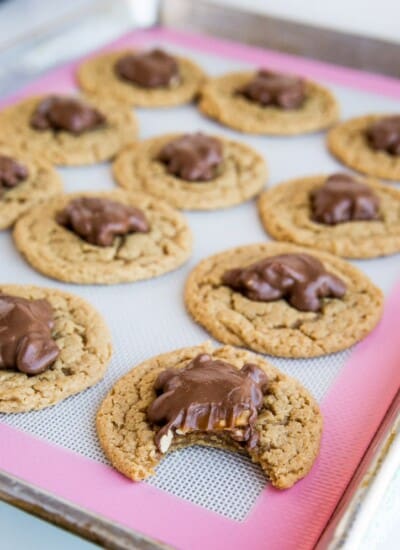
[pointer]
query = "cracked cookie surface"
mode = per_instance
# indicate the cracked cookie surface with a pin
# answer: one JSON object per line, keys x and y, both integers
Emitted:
{"x": 97, "y": 77}
{"x": 220, "y": 101}
{"x": 240, "y": 176}
{"x": 85, "y": 350}
{"x": 285, "y": 212}
{"x": 349, "y": 144}
{"x": 57, "y": 252}
{"x": 42, "y": 183}
{"x": 276, "y": 328}
{"x": 63, "y": 148}
{"x": 289, "y": 423}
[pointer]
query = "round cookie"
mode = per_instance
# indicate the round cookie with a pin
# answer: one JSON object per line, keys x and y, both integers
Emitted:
{"x": 240, "y": 177}
{"x": 64, "y": 148}
{"x": 59, "y": 253}
{"x": 85, "y": 344}
{"x": 96, "y": 76}
{"x": 42, "y": 183}
{"x": 220, "y": 101}
{"x": 276, "y": 328}
{"x": 289, "y": 423}
{"x": 348, "y": 143}
{"x": 285, "y": 212}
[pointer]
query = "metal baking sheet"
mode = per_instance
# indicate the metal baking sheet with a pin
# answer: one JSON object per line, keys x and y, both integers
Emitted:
{"x": 221, "y": 495}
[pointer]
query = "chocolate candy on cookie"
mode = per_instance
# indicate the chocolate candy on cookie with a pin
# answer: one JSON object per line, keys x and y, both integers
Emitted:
{"x": 52, "y": 345}
{"x": 26, "y": 343}
{"x": 152, "y": 69}
{"x": 131, "y": 236}
{"x": 283, "y": 300}
{"x": 151, "y": 78}
{"x": 24, "y": 182}
{"x": 67, "y": 114}
{"x": 384, "y": 135}
{"x": 269, "y": 88}
{"x": 208, "y": 395}
{"x": 268, "y": 103}
{"x": 67, "y": 130}
{"x": 12, "y": 173}
{"x": 347, "y": 215}
{"x": 166, "y": 166}
{"x": 300, "y": 279}
{"x": 222, "y": 397}
{"x": 369, "y": 144}
{"x": 99, "y": 220}
{"x": 342, "y": 199}
{"x": 192, "y": 157}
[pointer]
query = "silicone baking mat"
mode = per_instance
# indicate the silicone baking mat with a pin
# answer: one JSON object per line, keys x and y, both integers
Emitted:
{"x": 218, "y": 495}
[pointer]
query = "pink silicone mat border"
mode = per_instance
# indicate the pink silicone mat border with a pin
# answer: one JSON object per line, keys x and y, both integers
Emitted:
{"x": 353, "y": 408}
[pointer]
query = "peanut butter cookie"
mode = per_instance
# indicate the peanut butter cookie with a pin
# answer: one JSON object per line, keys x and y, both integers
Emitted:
{"x": 72, "y": 238}
{"x": 84, "y": 345}
{"x": 99, "y": 76}
{"x": 275, "y": 326}
{"x": 222, "y": 100}
{"x": 288, "y": 425}
{"x": 287, "y": 214}
{"x": 350, "y": 143}
{"x": 65, "y": 130}
{"x": 240, "y": 173}
{"x": 24, "y": 182}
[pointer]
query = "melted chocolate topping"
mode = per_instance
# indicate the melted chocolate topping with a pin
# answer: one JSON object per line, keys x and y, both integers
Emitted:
{"x": 153, "y": 69}
{"x": 342, "y": 199}
{"x": 268, "y": 88}
{"x": 26, "y": 343}
{"x": 384, "y": 135}
{"x": 11, "y": 173}
{"x": 98, "y": 221}
{"x": 66, "y": 114}
{"x": 192, "y": 157}
{"x": 208, "y": 395}
{"x": 298, "y": 278}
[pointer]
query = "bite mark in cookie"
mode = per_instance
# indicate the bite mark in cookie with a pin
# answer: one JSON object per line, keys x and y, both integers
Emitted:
{"x": 208, "y": 396}
{"x": 282, "y": 436}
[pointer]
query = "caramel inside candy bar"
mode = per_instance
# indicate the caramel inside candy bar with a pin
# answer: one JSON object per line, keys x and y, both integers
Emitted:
{"x": 208, "y": 395}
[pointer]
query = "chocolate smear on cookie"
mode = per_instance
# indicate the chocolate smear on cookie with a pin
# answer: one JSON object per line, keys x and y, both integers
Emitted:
{"x": 269, "y": 88}
{"x": 211, "y": 396}
{"x": 192, "y": 157}
{"x": 26, "y": 343}
{"x": 98, "y": 221}
{"x": 12, "y": 173}
{"x": 343, "y": 199}
{"x": 300, "y": 279}
{"x": 66, "y": 114}
{"x": 152, "y": 69}
{"x": 384, "y": 135}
